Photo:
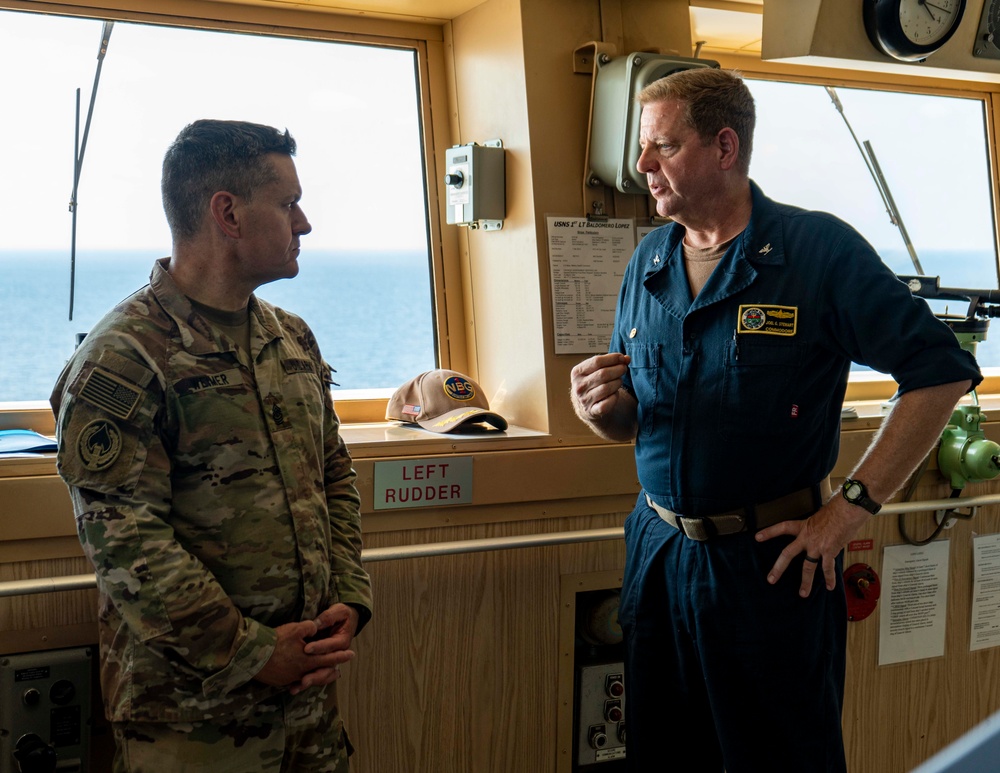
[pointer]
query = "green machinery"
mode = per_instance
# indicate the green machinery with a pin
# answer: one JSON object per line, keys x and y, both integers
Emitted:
{"x": 965, "y": 455}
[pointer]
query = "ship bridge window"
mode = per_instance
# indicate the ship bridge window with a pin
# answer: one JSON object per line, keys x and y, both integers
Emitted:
{"x": 365, "y": 282}
{"x": 824, "y": 148}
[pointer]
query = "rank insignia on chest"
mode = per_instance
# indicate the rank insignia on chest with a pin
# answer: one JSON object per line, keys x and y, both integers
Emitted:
{"x": 768, "y": 319}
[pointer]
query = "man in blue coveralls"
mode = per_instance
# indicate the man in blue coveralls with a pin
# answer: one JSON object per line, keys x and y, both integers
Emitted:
{"x": 734, "y": 334}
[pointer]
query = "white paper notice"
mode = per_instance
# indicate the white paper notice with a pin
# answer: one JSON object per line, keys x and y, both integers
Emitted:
{"x": 642, "y": 230}
{"x": 914, "y": 602}
{"x": 587, "y": 260}
{"x": 986, "y": 592}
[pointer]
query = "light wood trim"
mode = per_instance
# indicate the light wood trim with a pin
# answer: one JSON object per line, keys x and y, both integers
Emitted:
{"x": 450, "y": 297}
{"x": 41, "y": 548}
{"x": 50, "y": 637}
{"x": 272, "y": 19}
{"x": 36, "y": 507}
{"x": 530, "y": 476}
{"x": 34, "y": 415}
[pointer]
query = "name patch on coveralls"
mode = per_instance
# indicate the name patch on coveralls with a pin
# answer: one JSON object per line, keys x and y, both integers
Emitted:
{"x": 767, "y": 319}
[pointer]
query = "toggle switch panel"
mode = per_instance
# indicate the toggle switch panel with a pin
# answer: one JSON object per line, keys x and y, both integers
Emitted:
{"x": 601, "y": 713}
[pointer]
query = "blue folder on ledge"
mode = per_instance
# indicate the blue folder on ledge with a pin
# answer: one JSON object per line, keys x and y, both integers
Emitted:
{"x": 24, "y": 441}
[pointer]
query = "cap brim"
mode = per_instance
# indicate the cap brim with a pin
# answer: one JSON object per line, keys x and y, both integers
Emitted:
{"x": 452, "y": 420}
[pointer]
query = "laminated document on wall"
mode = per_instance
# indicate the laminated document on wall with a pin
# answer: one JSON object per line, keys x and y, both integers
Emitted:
{"x": 985, "y": 592}
{"x": 587, "y": 260}
{"x": 912, "y": 623}
{"x": 641, "y": 231}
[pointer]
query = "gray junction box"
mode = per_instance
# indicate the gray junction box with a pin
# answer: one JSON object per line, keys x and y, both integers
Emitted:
{"x": 614, "y": 134}
{"x": 45, "y": 711}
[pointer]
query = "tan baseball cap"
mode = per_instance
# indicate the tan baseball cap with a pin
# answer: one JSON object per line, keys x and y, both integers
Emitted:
{"x": 442, "y": 401}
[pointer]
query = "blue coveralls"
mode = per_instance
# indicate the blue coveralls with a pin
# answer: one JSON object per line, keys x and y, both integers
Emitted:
{"x": 739, "y": 397}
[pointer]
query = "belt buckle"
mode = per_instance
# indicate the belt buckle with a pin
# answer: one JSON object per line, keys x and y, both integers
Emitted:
{"x": 697, "y": 529}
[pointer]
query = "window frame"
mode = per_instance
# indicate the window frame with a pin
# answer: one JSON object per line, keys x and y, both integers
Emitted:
{"x": 878, "y": 387}
{"x": 427, "y": 41}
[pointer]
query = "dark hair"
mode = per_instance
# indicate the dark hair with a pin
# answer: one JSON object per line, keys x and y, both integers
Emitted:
{"x": 209, "y": 156}
{"x": 714, "y": 99}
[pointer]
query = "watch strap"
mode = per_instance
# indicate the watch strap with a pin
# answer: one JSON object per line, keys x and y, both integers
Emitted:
{"x": 862, "y": 499}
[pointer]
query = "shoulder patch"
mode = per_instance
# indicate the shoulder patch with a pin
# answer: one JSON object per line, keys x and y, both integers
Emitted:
{"x": 99, "y": 444}
{"x": 110, "y": 393}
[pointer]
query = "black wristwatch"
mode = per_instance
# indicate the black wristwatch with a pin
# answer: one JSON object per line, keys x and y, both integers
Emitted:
{"x": 854, "y": 491}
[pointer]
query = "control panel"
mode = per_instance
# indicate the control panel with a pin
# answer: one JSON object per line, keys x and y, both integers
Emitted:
{"x": 601, "y": 721}
{"x": 475, "y": 186}
{"x": 45, "y": 711}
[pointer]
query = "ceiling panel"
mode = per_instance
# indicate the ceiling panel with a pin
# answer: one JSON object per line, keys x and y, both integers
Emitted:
{"x": 729, "y": 26}
{"x": 732, "y": 25}
{"x": 423, "y": 11}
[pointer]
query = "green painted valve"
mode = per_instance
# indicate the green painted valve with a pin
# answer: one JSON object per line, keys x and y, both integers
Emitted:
{"x": 965, "y": 455}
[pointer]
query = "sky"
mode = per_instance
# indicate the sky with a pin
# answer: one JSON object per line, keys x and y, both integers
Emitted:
{"x": 352, "y": 110}
{"x": 931, "y": 149}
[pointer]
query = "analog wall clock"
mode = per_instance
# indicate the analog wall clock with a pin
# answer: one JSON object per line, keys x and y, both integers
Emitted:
{"x": 911, "y": 30}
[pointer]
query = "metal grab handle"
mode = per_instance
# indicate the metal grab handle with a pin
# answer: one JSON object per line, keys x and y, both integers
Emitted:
{"x": 89, "y": 581}
{"x": 427, "y": 549}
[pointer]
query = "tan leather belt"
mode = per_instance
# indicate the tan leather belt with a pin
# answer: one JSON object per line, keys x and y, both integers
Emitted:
{"x": 795, "y": 505}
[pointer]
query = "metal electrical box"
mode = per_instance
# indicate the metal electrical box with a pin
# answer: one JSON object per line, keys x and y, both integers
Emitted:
{"x": 614, "y": 134}
{"x": 45, "y": 708}
{"x": 474, "y": 184}
{"x": 601, "y": 714}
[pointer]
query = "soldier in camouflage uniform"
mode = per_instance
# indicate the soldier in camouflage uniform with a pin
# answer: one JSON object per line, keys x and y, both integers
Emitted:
{"x": 212, "y": 490}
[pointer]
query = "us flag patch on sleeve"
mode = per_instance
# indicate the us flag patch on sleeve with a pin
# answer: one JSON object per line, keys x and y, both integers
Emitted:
{"x": 110, "y": 393}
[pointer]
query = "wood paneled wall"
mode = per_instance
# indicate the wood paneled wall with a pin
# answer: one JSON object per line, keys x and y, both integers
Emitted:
{"x": 896, "y": 716}
{"x": 461, "y": 669}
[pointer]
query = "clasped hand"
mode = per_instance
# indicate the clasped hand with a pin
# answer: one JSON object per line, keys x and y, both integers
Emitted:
{"x": 310, "y": 653}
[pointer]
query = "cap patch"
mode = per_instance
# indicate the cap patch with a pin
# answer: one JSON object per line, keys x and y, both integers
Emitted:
{"x": 99, "y": 444}
{"x": 458, "y": 388}
{"x": 411, "y": 410}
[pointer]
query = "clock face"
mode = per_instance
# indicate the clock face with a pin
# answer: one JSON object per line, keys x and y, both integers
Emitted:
{"x": 925, "y": 22}
{"x": 911, "y": 30}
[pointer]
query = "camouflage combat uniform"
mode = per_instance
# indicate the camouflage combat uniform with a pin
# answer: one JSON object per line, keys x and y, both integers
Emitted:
{"x": 213, "y": 495}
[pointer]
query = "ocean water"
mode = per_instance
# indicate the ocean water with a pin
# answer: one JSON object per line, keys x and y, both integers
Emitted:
{"x": 962, "y": 269}
{"x": 371, "y": 312}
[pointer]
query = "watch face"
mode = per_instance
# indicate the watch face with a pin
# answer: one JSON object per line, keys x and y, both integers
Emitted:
{"x": 925, "y": 22}
{"x": 853, "y": 491}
